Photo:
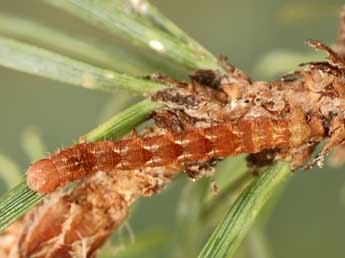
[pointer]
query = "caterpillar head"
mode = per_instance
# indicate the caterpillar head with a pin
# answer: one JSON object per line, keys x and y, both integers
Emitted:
{"x": 43, "y": 177}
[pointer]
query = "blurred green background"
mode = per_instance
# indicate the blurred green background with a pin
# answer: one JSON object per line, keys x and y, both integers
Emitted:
{"x": 263, "y": 38}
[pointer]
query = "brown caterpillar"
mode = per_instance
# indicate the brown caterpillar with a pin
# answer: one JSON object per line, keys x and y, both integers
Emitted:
{"x": 170, "y": 149}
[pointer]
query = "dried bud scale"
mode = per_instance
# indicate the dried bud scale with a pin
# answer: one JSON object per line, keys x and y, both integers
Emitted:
{"x": 77, "y": 222}
{"x": 9, "y": 239}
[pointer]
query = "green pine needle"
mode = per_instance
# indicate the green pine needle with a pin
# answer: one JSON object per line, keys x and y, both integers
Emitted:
{"x": 233, "y": 228}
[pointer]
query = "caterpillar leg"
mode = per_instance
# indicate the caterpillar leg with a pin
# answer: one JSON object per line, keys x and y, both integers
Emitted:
{"x": 201, "y": 169}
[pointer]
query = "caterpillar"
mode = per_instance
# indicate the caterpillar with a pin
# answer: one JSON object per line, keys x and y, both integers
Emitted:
{"x": 258, "y": 116}
{"x": 169, "y": 149}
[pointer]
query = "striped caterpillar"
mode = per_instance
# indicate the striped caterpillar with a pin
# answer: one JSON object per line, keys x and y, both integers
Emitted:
{"x": 227, "y": 116}
{"x": 166, "y": 150}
